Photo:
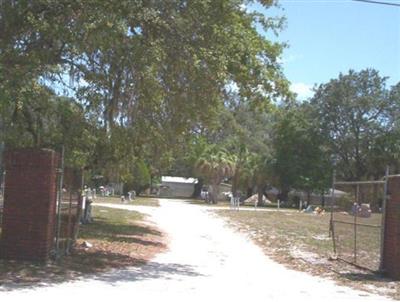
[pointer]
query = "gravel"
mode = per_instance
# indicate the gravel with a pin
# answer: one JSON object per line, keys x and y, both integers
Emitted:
{"x": 206, "y": 261}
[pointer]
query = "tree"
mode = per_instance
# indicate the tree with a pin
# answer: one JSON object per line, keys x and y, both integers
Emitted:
{"x": 354, "y": 111}
{"x": 187, "y": 153}
{"x": 51, "y": 121}
{"x": 139, "y": 178}
{"x": 245, "y": 132}
{"x": 147, "y": 73}
{"x": 215, "y": 165}
{"x": 263, "y": 174}
{"x": 389, "y": 147}
{"x": 301, "y": 160}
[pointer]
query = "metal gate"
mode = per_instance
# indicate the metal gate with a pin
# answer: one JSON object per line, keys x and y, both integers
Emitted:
{"x": 2, "y": 174}
{"x": 68, "y": 209}
{"x": 357, "y": 221}
{"x": 1, "y": 197}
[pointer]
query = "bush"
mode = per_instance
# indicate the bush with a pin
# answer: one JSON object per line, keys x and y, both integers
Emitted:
{"x": 140, "y": 179}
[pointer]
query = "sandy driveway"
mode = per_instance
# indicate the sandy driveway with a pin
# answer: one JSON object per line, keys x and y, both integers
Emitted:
{"x": 206, "y": 261}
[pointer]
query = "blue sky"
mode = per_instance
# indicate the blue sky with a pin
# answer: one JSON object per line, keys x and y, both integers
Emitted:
{"x": 327, "y": 37}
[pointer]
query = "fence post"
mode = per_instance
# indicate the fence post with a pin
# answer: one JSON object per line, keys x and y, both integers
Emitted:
{"x": 2, "y": 170}
{"x": 355, "y": 223}
{"x": 331, "y": 224}
{"x": 59, "y": 202}
{"x": 383, "y": 219}
{"x": 391, "y": 242}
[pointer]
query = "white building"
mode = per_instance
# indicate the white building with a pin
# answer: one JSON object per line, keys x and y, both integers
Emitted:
{"x": 172, "y": 186}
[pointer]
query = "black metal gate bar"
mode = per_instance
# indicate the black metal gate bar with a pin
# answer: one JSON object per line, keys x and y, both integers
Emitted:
{"x": 59, "y": 203}
{"x": 2, "y": 183}
{"x": 69, "y": 224}
{"x": 384, "y": 201}
{"x": 331, "y": 226}
{"x": 360, "y": 224}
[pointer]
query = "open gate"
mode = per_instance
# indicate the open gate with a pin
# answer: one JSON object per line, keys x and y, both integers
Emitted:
{"x": 42, "y": 203}
{"x": 68, "y": 208}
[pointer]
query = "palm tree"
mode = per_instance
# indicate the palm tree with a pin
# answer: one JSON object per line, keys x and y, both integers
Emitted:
{"x": 243, "y": 173}
{"x": 215, "y": 164}
{"x": 253, "y": 171}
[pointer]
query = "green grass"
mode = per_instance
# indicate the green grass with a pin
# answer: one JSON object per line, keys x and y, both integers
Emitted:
{"x": 116, "y": 226}
{"x": 201, "y": 202}
{"x": 140, "y": 201}
{"x": 119, "y": 239}
{"x": 283, "y": 230}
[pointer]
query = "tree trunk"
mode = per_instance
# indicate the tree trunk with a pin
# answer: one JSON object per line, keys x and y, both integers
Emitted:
{"x": 235, "y": 182}
{"x": 214, "y": 193}
{"x": 284, "y": 195}
{"x": 260, "y": 193}
{"x": 197, "y": 188}
{"x": 249, "y": 192}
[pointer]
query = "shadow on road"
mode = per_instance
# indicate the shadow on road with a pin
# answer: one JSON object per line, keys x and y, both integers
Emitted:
{"x": 49, "y": 276}
{"x": 153, "y": 270}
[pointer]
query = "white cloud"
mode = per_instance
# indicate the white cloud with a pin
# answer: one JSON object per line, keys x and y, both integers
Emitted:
{"x": 303, "y": 91}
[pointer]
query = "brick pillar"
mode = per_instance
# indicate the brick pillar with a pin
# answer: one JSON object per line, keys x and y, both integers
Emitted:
{"x": 29, "y": 204}
{"x": 391, "y": 246}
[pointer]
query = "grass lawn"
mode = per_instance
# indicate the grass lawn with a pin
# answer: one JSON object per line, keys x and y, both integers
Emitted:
{"x": 301, "y": 241}
{"x": 201, "y": 202}
{"x": 119, "y": 238}
{"x": 139, "y": 201}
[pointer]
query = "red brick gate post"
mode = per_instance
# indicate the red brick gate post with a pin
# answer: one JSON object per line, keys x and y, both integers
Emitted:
{"x": 391, "y": 242}
{"x": 29, "y": 212}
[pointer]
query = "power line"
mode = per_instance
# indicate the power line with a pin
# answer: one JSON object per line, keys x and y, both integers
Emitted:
{"x": 379, "y": 2}
{"x": 337, "y": 1}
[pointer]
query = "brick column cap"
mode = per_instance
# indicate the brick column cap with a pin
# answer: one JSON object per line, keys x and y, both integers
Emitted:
{"x": 30, "y": 157}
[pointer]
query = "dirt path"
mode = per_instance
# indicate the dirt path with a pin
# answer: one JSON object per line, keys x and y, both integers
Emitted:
{"x": 206, "y": 261}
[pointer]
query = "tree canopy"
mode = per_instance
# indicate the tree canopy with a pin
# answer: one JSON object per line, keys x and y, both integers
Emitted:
{"x": 356, "y": 116}
{"x": 146, "y": 74}
{"x": 133, "y": 89}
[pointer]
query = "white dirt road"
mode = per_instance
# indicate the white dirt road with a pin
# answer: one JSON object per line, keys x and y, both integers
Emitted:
{"x": 206, "y": 261}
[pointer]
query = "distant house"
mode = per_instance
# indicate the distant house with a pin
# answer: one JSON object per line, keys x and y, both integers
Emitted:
{"x": 172, "y": 186}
